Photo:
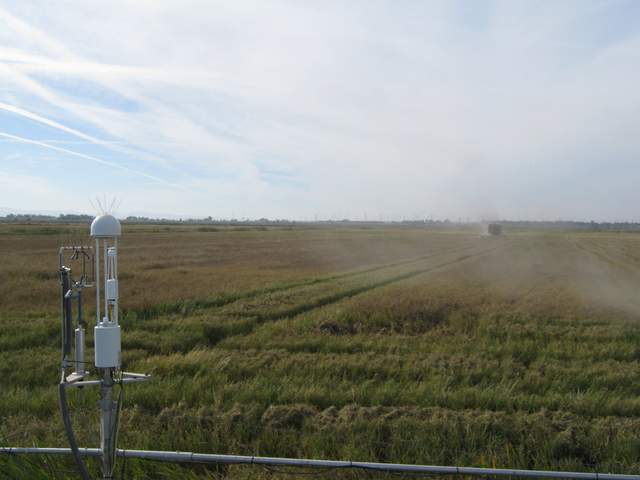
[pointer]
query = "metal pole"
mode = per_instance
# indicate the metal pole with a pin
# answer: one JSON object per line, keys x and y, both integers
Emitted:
{"x": 105, "y": 246}
{"x": 107, "y": 424}
{"x": 79, "y": 347}
{"x": 65, "y": 282}
{"x": 79, "y": 351}
{"x": 115, "y": 275}
{"x": 190, "y": 457}
{"x": 97, "y": 280}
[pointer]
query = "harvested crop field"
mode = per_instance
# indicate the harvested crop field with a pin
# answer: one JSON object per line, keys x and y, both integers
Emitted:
{"x": 382, "y": 343}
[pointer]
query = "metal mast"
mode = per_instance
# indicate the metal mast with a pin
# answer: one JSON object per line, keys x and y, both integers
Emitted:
{"x": 105, "y": 230}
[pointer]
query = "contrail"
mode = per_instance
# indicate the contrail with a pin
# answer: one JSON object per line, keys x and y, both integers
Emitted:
{"x": 86, "y": 157}
{"x": 51, "y": 123}
{"x": 106, "y": 142}
{"x": 116, "y": 146}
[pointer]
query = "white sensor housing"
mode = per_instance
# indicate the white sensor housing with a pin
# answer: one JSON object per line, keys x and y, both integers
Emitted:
{"x": 107, "y": 345}
{"x": 105, "y": 226}
{"x": 112, "y": 289}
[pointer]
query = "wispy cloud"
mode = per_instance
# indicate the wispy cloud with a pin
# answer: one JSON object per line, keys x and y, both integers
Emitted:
{"x": 102, "y": 142}
{"x": 49, "y": 122}
{"x": 438, "y": 108}
{"x": 85, "y": 157}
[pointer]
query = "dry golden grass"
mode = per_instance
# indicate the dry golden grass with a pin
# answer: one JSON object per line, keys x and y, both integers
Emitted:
{"x": 385, "y": 344}
{"x": 161, "y": 264}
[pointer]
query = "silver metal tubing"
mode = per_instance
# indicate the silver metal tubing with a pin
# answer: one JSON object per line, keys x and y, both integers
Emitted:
{"x": 97, "y": 280}
{"x": 108, "y": 417}
{"x": 105, "y": 248}
{"x": 94, "y": 383}
{"x": 134, "y": 379}
{"x": 189, "y": 457}
{"x": 67, "y": 292}
{"x": 79, "y": 353}
{"x": 84, "y": 383}
{"x": 131, "y": 375}
{"x": 115, "y": 275}
{"x": 85, "y": 452}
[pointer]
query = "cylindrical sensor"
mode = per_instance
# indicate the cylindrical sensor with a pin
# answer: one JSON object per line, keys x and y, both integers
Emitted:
{"x": 112, "y": 289}
{"x": 80, "y": 351}
{"x": 107, "y": 345}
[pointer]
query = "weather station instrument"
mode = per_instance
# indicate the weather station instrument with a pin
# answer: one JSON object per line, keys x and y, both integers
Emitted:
{"x": 105, "y": 230}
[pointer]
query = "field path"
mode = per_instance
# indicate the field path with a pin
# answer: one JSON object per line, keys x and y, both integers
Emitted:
{"x": 194, "y": 305}
{"x": 244, "y": 318}
{"x": 607, "y": 278}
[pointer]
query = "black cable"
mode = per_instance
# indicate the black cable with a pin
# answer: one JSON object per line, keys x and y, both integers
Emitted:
{"x": 68, "y": 427}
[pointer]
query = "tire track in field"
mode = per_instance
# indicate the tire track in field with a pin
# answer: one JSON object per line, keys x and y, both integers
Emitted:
{"x": 579, "y": 246}
{"x": 626, "y": 251}
{"x": 329, "y": 299}
{"x": 599, "y": 256}
{"x": 607, "y": 259}
{"x": 617, "y": 254}
{"x": 541, "y": 283}
{"x": 613, "y": 284}
{"x": 248, "y": 323}
{"x": 194, "y": 305}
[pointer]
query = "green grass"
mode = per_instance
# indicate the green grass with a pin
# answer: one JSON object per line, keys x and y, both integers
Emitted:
{"x": 520, "y": 352}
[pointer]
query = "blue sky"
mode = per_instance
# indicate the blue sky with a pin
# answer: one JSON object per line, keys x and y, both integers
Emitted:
{"x": 297, "y": 109}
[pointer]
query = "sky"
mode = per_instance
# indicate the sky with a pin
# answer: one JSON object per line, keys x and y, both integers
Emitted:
{"x": 306, "y": 109}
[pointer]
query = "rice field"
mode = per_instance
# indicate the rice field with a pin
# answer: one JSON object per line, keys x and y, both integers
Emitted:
{"x": 380, "y": 343}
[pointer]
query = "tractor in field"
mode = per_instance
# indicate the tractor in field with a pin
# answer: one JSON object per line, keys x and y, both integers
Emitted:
{"x": 494, "y": 229}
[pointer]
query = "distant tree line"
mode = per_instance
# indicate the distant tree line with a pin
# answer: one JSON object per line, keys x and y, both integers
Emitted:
{"x": 557, "y": 225}
{"x": 571, "y": 225}
{"x": 207, "y": 221}
{"x": 35, "y": 218}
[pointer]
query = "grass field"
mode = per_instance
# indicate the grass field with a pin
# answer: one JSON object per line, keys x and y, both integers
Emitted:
{"x": 380, "y": 344}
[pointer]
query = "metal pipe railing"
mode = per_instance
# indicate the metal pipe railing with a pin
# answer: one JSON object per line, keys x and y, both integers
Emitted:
{"x": 190, "y": 457}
